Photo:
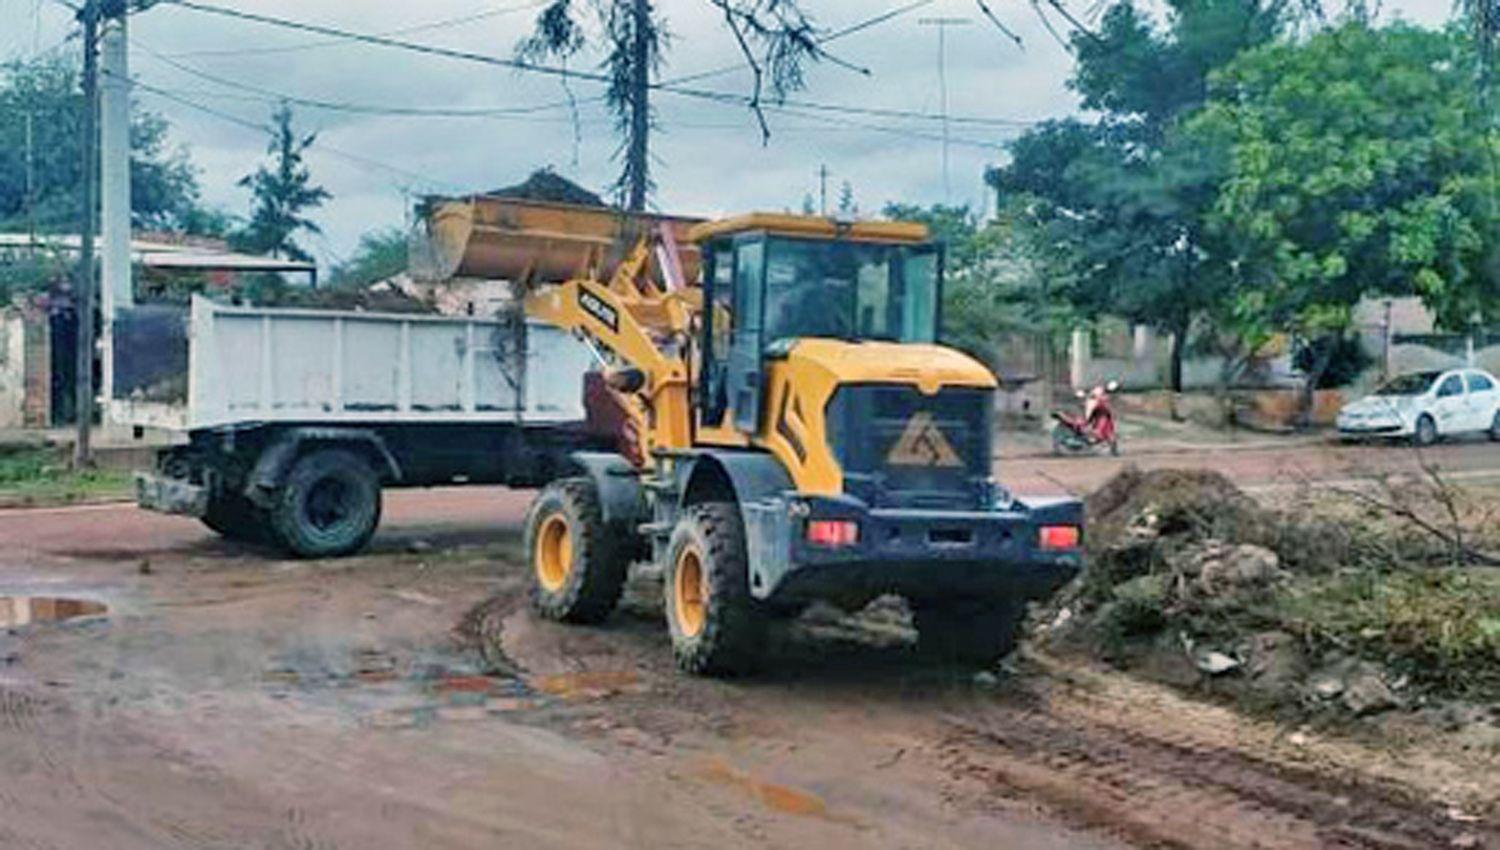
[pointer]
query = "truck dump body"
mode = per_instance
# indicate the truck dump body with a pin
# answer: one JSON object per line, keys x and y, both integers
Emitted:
{"x": 271, "y": 365}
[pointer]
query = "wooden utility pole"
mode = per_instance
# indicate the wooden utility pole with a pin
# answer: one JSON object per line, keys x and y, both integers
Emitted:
{"x": 31, "y": 182}
{"x": 637, "y": 153}
{"x": 84, "y": 279}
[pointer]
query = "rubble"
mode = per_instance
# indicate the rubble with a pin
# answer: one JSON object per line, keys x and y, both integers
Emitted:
{"x": 1306, "y": 609}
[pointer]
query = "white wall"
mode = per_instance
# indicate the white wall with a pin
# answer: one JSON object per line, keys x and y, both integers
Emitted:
{"x": 12, "y": 370}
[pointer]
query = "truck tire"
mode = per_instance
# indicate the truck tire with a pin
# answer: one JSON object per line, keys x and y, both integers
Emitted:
{"x": 328, "y": 506}
{"x": 578, "y": 562}
{"x": 234, "y": 517}
{"x": 968, "y": 633}
{"x": 714, "y": 623}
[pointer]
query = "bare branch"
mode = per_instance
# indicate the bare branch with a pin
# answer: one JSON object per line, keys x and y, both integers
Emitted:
{"x": 989, "y": 13}
{"x": 760, "y": 115}
{"x": 776, "y": 39}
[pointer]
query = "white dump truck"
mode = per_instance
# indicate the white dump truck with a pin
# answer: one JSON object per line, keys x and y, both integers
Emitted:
{"x": 290, "y": 422}
{"x": 287, "y": 423}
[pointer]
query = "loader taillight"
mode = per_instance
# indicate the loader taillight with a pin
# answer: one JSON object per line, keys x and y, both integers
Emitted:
{"x": 833, "y": 532}
{"x": 1060, "y": 536}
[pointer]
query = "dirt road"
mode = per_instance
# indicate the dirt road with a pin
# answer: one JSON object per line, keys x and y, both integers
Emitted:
{"x": 229, "y": 699}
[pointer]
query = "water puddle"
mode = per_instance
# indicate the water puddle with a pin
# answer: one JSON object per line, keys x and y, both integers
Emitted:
{"x": 28, "y": 610}
{"x": 780, "y": 798}
{"x": 589, "y": 684}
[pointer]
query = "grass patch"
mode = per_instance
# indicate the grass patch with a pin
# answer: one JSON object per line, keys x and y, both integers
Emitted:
{"x": 40, "y": 475}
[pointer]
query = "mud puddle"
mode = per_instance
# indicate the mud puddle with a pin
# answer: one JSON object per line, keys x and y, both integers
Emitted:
{"x": 17, "y": 611}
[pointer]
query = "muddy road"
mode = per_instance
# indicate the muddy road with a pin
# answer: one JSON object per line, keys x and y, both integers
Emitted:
{"x": 227, "y": 698}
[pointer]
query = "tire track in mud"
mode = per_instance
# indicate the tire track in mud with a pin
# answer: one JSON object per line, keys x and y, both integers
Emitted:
{"x": 295, "y": 833}
{"x": 1163, "y": 790}
{"x": 20, "y": 713}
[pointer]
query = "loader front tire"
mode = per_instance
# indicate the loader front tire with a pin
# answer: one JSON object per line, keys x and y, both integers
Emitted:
{"x": 977, "y": 633}
{"x": 578, "y": 562}
{"x": 715, "y": 626}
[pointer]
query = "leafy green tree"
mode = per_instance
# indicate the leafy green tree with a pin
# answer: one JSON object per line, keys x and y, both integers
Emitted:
{"x": 283, "y": 193}
{"x": 45, "y": 93}
{"x": 1359, "y": 162}
{"x": 381, "y": 254}
{"x": 1122, "y": 202}
{"x": 996, "y": 283}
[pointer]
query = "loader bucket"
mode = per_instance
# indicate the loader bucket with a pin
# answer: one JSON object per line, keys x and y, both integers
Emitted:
{"x": 497, "y": 238}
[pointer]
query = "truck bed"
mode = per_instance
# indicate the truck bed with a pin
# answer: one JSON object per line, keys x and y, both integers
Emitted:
{"x": 215, "y": 365}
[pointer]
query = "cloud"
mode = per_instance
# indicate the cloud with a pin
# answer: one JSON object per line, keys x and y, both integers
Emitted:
{"x": 709, "y": 157}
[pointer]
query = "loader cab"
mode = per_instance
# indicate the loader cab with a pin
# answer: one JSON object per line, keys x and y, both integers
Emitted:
{"x": 771, "y": 280}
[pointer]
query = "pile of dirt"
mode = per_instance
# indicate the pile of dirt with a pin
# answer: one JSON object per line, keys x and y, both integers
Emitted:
{"x": 1195, "y": 583}
{"x": 544, "y": 184}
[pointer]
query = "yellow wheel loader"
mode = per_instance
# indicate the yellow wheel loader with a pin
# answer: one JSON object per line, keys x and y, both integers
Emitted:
{"x": 789, "y": 429}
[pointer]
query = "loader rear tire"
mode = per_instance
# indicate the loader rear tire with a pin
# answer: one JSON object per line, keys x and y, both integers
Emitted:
{"x": 716, "y": 628}
{"x": 578, "y": 562}
{"x": 978, "y": 633}
{"x": 328, "y": 506}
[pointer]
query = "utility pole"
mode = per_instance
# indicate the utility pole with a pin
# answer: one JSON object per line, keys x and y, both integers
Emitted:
{"x": 84, "y": 283}
{"x": 823, "y": 190}
{"x": 637, "y": 154}
{"x": 31, "y": 181}
{"x": 942, "y": 25}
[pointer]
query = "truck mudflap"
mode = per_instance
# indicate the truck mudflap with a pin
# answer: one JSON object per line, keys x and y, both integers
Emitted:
{"x": 170, "y": 495}
{"x": 912, "y": 552}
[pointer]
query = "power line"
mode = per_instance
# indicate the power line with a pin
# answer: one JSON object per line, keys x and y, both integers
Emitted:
{"x": 826, "y": 123}
{"x": 266, "y": 129}
{"x": 345, "y": 106}
{"x": 515, "y": 64}
{"x": 428, "y": 27}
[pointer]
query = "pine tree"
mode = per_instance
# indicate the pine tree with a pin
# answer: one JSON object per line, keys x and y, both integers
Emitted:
{"x": 847, "y": 207}
{"x": 282, "y": 193}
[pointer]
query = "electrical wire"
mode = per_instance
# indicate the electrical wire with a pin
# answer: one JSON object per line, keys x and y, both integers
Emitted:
{"x": 435, "y": 25}
{"x": 268, "y": 130}
{"x": 344, "y": 106}
{"x": 516, "y": 64}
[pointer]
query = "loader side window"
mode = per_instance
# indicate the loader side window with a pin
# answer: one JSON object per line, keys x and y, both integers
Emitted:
{"x": 718, "y": 328}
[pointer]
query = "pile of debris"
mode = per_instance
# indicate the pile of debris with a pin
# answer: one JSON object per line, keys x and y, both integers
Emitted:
{"x": 1193, "y": 582}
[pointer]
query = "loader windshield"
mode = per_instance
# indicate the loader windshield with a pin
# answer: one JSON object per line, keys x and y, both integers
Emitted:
{"x": 850, "y": 290}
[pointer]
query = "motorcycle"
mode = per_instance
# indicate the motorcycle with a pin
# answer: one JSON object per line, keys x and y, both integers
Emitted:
{"x": 1095, "y": 428}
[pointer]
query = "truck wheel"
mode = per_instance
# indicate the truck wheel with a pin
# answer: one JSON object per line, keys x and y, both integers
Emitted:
{"x": 578, "y": 562}
{"x": 714, "y": 625}
{"x": 328, "y": 506}
{"x": 977, "y": 633}
{"x": 234, "y": 517}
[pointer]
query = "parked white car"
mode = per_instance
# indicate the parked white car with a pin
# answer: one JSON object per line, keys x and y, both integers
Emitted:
{"x": 1426, "y": 406}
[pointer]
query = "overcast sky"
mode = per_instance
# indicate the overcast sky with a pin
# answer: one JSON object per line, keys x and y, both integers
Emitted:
{"x": 709, "y": 156}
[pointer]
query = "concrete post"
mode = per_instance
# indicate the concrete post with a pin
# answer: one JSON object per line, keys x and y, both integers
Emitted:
{"x": 116, "y": 289}
{"x": 1081, "y": 354}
